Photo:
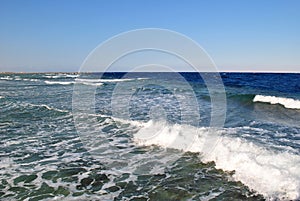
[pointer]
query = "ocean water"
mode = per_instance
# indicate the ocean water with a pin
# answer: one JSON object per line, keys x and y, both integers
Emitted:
{"x": 144, "y": 136}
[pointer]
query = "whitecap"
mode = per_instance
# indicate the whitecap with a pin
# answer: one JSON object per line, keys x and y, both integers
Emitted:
{"x": 47, "y": 107}
{"x": 59, "y": 83}
{"x": 286, "y": 102}
{"x": 104, "y": 80}
{"x": 91, "y": 84}
{"x": 6, "y": 78}
{"x": 272, "y": 173}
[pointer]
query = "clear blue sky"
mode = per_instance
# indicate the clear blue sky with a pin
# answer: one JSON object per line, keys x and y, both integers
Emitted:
{"x": 57, "y": 35}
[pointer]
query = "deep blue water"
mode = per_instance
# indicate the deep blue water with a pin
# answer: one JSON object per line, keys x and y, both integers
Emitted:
{"x": 149, "y": 136}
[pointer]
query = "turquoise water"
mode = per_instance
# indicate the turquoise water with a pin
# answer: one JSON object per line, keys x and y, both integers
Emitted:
{"x": 46, "y": 153}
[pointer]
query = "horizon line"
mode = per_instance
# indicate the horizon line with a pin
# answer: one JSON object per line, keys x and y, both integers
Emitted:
{"x": 78, "y": 72}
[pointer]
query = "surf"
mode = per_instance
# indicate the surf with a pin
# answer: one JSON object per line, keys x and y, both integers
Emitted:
{"x": 288, "y": 103}
{"x": 272, "y": 173}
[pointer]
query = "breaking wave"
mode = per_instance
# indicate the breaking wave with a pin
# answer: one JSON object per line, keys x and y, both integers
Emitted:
{"x": 272, "y": 173}
{"x": 286, "y": 102}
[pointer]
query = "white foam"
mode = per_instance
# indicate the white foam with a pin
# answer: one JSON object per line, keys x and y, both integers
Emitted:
{"x": 104, "y": 80}
{"x": 271, "y": 173}
{"x": 72, "y": 76}
{"x": 77, "y": 81}
{"x": 87, "y": 80}
{"x": 60, "y": 76}
{"x": 52, "y": 76}
{"x": 6, "y": 78}
{"x": 48, "y": 107}
{"x": 115, "y": 80}
{"x": 286, "y": 102}
{"x": 62, "y": 83}
{"x": 91, "y": 84}
{"x": 31, "y": 80}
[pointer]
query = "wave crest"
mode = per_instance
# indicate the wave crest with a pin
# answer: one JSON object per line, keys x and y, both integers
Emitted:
{"x": 274, "y": 174}
{"x": 286, "y": 102}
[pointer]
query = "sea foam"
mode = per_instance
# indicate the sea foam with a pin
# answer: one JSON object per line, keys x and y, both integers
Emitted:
{"x": 274, "y": 174}
{"x": 61, "y": 83}
{"x": 286, "y": 102}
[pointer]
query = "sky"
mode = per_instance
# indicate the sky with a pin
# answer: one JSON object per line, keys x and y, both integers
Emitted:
{"x": 239, "y": 35}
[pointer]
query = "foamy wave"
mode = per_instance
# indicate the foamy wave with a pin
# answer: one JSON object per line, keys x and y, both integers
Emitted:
{"x": 17, "y": 78}
{"x": 6, "y": 78}
{"x": 99, "y": 82}
{"x": 115, "y": 80}
{"x": 103, "y": 80}
{"x": 72, "y": 82}
{"x": 91, "y": 84}
{"x": 61, "y": 83}
{"x": 31, "y": 80}
{"x": 286, "y": 102}
{"x": 48, "y": 107}
{"x": 271, "y": 173}
{"x": 87, "y": 80}
{"x": 60, "y": 76}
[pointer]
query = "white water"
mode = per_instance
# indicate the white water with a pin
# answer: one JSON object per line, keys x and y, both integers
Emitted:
{"x": 103, "y": 80}
{"x": 92, "y": 82}
{"x": 6, "y": 78}
{"x": 62, "y": 83}
{"x": 286, "y": 102}
{"x": 47, "y": 107}
{"x": 60, "y": 76}
{"x": 271, "y": 173}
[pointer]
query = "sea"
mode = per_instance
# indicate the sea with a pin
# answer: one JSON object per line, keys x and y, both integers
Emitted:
{"x": 149, "y": 136}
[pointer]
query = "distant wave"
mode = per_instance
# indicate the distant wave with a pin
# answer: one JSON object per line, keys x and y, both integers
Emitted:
{"x": 286, "y": 102}
{"x": 73, "y": 82}
{"x": 51, "y": 76}
{"x": 31, "y": 80}
{"x": 62, "y": 83}
{"x": 6, "y": 78}
{"x": 104, "y": 80}
{"x": 17, "y": 78}
{"x": 91, "y": 84}
{"x": 270, "y": 173}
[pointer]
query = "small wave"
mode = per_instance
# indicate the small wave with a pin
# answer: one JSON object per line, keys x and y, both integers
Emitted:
{"x": 59, "y": 83}
{"x": 79, "y": 80}
{"x": 72, "y": 82}
{"x": 17, "y": 78}
{"x": 104, "y": 80}
{"x": 72, "y": 76}
{"x": 91, "y": 84}
{"x": 51, "y": 76}
{"x": 286, "y": 102}
{"x": 271, "y": 173}
{"x": 48, "y": 107}
{"x": 60, "y": 76}
{"x": 6, "y": 78}
{"x": 31, "y": 80}
{"x": 115, "y": 80}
